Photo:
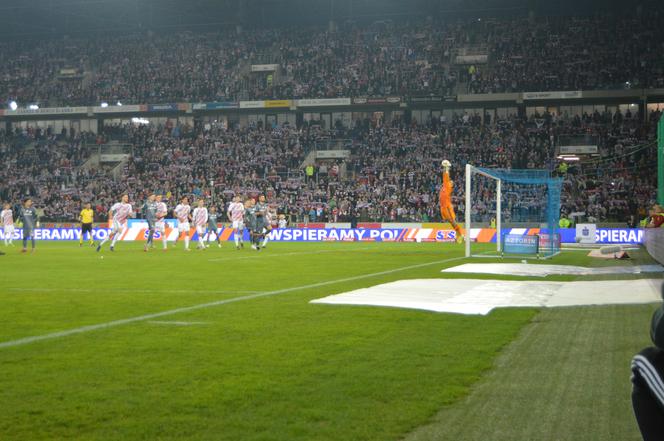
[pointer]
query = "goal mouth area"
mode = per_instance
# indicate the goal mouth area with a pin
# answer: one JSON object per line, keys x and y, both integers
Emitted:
{"x": 526, "y": 201}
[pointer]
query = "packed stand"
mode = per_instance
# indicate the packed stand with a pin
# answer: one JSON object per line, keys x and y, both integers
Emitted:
{"x": 416, "y": 59}
{"x": 393, "y": 173}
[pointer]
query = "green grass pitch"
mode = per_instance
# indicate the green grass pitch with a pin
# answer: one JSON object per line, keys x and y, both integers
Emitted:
{"x": 254, "y": 360}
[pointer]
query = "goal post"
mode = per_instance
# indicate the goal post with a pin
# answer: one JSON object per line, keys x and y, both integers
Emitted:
{"x": 527, "y": 202}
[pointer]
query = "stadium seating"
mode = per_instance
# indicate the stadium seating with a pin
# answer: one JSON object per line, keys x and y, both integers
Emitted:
{"x": 379, "y": 60}
{"x": 392, "y": 174}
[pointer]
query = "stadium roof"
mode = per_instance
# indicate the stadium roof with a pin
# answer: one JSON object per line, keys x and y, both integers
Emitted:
{"x": 69, "y": 17}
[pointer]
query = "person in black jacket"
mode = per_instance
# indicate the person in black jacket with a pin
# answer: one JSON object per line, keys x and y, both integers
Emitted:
{"x": 648, "y": 382}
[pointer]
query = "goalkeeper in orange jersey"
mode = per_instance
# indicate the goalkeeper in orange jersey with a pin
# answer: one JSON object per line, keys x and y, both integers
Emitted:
{"x": 446, "y": 208}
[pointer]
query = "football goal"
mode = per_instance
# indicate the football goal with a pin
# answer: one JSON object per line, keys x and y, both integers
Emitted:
{"x": 522, "y": 205}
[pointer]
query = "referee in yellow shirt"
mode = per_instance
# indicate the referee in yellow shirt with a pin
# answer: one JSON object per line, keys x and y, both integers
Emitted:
{"x": 86, "y": 218}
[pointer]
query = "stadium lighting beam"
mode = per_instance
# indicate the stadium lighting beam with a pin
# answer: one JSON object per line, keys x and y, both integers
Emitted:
{"x": 104, "y": 104}
{"x": 33, "y": 107}
{"x": 118, "y": 103}
{"x": 13, "y": 105}
{"x": 571, "y": 158}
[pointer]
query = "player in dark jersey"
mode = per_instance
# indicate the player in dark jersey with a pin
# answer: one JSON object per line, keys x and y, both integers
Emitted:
{"x": 250, "y": 221}
{"x": 30, "y": 219}
{"x": 213, "y": 216}
{"x": 149, "y": 210}
{"x": 263, "y": 217}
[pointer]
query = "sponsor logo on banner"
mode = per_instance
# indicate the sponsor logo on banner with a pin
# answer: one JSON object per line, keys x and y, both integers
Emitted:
{"x": 47, "y": 111}
{"x": 426, "y": 99}
{"x": 517, "y": 237}
{"x": 389, "y": 100}
{"x": 163, "y": 107}
{"x": 278, "y": 103}
{"x": 578, "y": 149}
{"x": 252, "y": 104}
{"x": 322, "y": 102}
{"x": 518, "y": 244}
{"x": 215, "y": 105}
{"x": 552, "y": 95}
{"x": 585, "y": 233}
{"x": 119, "y": 109}
{"x": 264, "y": 67}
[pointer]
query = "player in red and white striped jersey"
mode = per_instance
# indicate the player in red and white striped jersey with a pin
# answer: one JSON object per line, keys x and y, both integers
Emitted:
{"x": 120, "y": 211}
{"x": 182, "y": 213}
{"x": 235, "y": 213}
{"x": 7, "y": 217}
{"x": 200, "y": 216}
{"x": 160, "y": 224}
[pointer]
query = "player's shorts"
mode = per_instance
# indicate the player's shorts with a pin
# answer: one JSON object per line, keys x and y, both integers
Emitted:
{"x": 447, "y": 212}
{"x": 9, "y": 230}
{"x": 160, "y": 226}
{"x": 118, "y": 227}
{"x": 86, "y": 228}
{"x": 183, "y": 227}
{"x": 200, "y": 229}
{"x": 238, "y": 225}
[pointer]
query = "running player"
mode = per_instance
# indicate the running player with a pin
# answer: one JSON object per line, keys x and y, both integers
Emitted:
{"x": 86, "y": 217}
{"x": 30, "y": 219}
{"x": 200, "y": 216}
{"x": 446, "y": 208}
{"x": 160, "y": 223}
{"x": 150, "y": 214}
{"x": 182, "y": 213}
{"x": 120, "y": 212}
{"x": 235, "y": 213}
{"x": 7, "y": 217}
{"x": 212, "y": 226}
{"x": 263, "y": 220}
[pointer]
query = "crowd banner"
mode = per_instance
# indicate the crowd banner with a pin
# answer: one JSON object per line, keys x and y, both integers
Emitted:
{"x": 374, "y": 232}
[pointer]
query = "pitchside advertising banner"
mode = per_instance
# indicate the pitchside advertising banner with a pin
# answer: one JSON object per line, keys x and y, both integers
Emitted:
{"x": 137, "y": 231}
{"x": 517, "y": 244}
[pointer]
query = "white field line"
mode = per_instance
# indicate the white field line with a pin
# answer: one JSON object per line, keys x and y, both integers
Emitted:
{"x": 257, "y": 254}
{"x": 132, "y": 291}
{"x": 112, "y": 324}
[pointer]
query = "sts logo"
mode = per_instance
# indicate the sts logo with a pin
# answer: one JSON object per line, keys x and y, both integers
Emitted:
{"x": 585, "y": 232}
{"x": 445, "y": 236}
{"x": 155, "y": 236}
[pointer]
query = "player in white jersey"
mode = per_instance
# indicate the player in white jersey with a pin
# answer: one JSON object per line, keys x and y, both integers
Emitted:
{"x": 120, "y": 212}
{"x": 160, "y": 223}
{"x": 7, "y": 217}
{"x": 235, "y": 213}
{"x": 200, "y": 217}
{"x": 183, "y": 214}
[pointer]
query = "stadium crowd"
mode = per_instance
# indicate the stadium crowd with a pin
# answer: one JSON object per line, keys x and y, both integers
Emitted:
{"x": 393, "y": 173}
{"x": 539, "y": 54}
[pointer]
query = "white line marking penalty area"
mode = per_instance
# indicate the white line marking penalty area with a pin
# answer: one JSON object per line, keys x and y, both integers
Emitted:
{"x": 146, "y": 317}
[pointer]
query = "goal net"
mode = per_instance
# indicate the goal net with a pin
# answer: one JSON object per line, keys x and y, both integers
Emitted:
{"x": 522, "y": 205}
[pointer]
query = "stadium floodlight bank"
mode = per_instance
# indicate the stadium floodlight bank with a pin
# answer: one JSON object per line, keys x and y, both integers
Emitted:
{"x": 525, "y": 205}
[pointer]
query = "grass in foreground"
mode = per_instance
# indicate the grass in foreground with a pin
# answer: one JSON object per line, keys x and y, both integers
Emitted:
{"x": 270, "y": 368}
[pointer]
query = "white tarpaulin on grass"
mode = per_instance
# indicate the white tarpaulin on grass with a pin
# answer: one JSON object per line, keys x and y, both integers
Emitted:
{"x": 542, "y": 270}
{"x": 471, "y": 296}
